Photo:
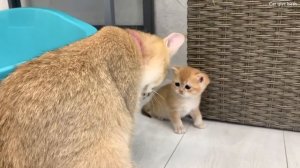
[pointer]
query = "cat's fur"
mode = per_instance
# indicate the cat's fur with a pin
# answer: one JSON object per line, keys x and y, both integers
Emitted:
{"x": 73, "y": 107}
{"x": 174, "y": 102}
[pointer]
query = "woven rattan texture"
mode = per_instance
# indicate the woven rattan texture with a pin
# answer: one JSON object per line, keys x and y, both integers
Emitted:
{"x": 251, "y": 51}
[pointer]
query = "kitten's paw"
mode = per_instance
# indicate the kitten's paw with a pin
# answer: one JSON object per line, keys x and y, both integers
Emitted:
{"x": 200, "y": 125}
{"x": 179, "y": 129}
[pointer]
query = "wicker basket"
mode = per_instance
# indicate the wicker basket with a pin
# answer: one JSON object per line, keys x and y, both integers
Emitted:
{"x": 251, "y": 50}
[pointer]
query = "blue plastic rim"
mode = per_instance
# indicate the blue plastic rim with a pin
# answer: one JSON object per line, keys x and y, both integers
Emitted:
{"x": 26, "y": 33}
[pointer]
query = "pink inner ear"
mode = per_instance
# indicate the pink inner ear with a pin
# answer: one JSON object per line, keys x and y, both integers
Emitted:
{"x": 174, "y": 41}
{"x": 170, "y": 41}
{"x": 201, "y": 79}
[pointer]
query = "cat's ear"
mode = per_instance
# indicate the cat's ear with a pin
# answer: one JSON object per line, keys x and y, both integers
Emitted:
{"x": 174, "y": 41}
{"x": 175, "y": 69}
{"x": 203, "y": 78}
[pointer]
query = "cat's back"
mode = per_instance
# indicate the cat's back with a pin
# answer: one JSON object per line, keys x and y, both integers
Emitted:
{"x": 51, "y": 79}
{"x": 57, "y": 107}
{"x": 74, "y": 68}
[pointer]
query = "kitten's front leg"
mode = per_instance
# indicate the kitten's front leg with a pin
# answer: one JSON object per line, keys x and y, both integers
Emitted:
{"x": 197, "y": 118}
{"x": 177, "y": 123}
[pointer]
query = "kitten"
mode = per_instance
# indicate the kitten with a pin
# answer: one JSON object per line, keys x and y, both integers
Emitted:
{"x": 73, "y": 107}
{"x": 179, "y": 98}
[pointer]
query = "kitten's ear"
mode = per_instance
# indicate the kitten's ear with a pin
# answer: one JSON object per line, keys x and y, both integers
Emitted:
{"x": 203, "y": 78}
{"x": 175, "y": 69}
{"x": 174, "y": 41}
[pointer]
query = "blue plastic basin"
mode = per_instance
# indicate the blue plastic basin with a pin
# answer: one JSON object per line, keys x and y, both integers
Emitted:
{"x": 26, "y": 33}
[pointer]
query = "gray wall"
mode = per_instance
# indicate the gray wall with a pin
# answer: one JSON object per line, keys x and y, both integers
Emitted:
{"x": 88, "y": 11}
{"x": 171, "y": 16}
{"x": 129, "y": 12}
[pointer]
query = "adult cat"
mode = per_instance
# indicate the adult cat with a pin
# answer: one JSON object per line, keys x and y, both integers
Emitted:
{"x": 74, "y": 107}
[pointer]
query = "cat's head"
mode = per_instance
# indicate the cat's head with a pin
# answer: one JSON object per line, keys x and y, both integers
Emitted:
{"x": 156, "y": 53}
{"x": 189, "y": 82}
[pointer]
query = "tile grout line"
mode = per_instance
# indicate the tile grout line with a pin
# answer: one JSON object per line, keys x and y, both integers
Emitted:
{"x": 176, "y": 147}
{"x": 286, "y": 158}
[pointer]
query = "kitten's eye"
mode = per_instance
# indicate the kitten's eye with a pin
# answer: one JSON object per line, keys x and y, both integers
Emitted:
{"x": 177, "y": 84}
{"x": 187, "y": 87}
{"x": 201, "y": 79}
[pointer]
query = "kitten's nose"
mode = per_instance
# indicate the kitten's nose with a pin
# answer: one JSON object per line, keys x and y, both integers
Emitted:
{"x": 181, "y": 91}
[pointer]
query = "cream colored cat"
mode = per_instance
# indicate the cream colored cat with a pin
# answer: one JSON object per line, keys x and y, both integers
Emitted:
{"x": 73, "y": 107}
{"x": 179, "y": 98}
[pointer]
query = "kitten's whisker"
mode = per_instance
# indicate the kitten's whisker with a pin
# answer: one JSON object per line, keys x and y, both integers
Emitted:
{"x": 154, "y": 98}
{"x": 159, "y": 103}
{"x": 152, "y": 104}
{"x": 156, "y": 103}
{"x": 158, "y": 95}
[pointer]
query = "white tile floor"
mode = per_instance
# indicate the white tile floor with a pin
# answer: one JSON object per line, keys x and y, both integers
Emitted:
{"x": 220, "y": 145}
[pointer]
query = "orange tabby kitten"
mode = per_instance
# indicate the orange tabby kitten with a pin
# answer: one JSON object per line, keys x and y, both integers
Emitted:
{"x": 180, "y": 98}
{"x": 73, "y": 107}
